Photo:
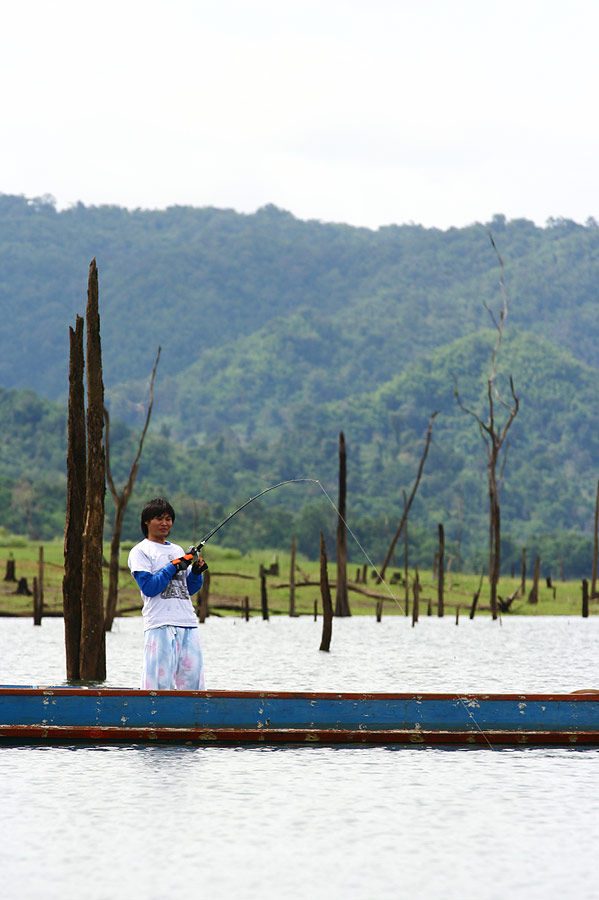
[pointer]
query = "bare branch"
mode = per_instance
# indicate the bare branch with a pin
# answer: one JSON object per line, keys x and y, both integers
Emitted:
{"x": 120, "y": 503}
{"x": 134, "y": 467}
{"x": 503, "y": 462}
{"x": 381, "y": 574}
{"x": 494, "y": 437}
{"x": 484, "y": 428}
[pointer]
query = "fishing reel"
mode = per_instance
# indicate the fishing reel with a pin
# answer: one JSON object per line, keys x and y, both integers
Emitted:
{"x": 199, "y": 564}
{"x": 191, "y": 558}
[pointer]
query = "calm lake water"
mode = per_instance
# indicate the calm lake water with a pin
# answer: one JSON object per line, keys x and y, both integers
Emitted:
{"x": 367, "y": 823}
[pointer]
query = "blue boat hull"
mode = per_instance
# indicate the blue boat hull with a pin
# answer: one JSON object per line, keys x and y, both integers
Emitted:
{"x": 109, "y": 715}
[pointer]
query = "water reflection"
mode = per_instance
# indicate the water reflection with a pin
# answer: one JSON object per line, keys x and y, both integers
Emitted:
{"x": 521, "y": 654}
{"x": 339, "y": 822}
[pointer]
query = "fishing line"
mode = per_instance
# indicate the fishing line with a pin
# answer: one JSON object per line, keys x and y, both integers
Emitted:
{"x": 372, "y": 565}
{"x": 210, "y": 534}
{"x": 355, "y": 538}
{"x": 382, "y": 580}
{"x": 279, "y": 484}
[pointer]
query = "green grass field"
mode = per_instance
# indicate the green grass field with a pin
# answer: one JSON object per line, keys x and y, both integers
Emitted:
{"x": 234, "y": 576}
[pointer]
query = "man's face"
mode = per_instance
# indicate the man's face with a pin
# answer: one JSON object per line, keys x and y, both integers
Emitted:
{"x": 159, "y": 528}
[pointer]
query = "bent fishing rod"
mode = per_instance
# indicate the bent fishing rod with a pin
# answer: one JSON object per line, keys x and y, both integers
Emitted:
{"x": 193, "y": 552}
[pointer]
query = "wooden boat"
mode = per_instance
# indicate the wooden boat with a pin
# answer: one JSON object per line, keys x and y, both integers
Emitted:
{"x": 92, "y": 715}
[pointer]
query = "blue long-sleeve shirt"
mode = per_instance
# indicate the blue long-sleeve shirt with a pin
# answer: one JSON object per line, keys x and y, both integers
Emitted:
{"x": 152, "y": 585}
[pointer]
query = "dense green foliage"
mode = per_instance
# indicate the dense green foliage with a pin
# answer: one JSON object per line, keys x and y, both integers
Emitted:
{"x": 276, "y": 334}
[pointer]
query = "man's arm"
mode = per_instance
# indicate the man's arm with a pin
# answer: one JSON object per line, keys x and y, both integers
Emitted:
{"x": 152, "y": 585}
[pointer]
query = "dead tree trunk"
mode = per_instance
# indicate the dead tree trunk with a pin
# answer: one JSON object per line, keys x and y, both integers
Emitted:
{"x": 292, "y": 579}
{"x": 203, "y": 609}
{"x": 263, "y": 593}
{"x": 38, "y": 605}
{"x": 120, "y": 502}
{"x": 533, "y": 597}
{"x": 585, "y": 598}
{"x": 441, "y": 563}
{"x": 416, "y": 602}
{"x": 494, "y": 437}
{"x": 341, "y": 598}
{"x": 10, "y": 569}
{"x": 405, "y": 558}
{"x": 327, "y": 603}
{"x": 460, "y": 523}
{"x": 75, "y": 514}
{"x": 595, "y": 547}
{"x": 93, "y": 642}
{"x": 477, "y": 594}
{"x": 40, "y": 575}
{"x": 383, "y": 568}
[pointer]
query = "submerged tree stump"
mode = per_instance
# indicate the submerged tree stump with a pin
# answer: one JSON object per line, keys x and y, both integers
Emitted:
{"x": 292, "y": 579}
{"x": 263, "y": 593}
{"x": 341, "y": 598}
{"x": 10, "y": 569}
{"x": 416, "y": 603}
{"x": 477, "y": 594}
{"x": 440, "y": 573}
{"x": 203, "y": 595}
{"x": 22, "y": 588}
{"x": 533, "y": 596}
{"x": 38, "y": 602}
{"x": 585, "y": 598}
{"x": 327, "y": 603}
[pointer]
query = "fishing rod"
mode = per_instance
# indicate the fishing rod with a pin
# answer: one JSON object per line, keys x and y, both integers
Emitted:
{"x": 193, "y": 552}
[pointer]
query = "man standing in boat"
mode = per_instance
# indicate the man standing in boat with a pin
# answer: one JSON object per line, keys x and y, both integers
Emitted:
{"x": 167, "y": 578}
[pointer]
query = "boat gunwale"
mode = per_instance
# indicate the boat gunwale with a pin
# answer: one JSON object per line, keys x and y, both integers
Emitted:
{"x": 298, "y": 736}
{"x": 60, "y": 691}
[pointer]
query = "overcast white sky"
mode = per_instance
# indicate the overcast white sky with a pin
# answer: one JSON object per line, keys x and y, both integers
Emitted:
{"x": 370, "y": 112}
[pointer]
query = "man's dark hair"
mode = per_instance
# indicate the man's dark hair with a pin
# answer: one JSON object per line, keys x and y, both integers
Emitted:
{"x": 153, "y": 508}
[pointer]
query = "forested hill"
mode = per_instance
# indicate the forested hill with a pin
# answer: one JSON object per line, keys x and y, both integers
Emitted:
{"x": 250, "y": 309}
{"x": 277, "y": 333}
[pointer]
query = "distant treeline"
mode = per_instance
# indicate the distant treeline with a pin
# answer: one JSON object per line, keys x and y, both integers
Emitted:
{"x": 276, "y": 335}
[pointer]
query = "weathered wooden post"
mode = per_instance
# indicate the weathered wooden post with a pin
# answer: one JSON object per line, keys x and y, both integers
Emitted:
{"x": 246, "y": 604}
{"x": 263, "y": 593}
{"x": 416, "y": 592}
{"x": 40, "y": 575}
{"x": 440, "y": 574}
{"x": 92, "y": 660}
{"x": 405, "y": 556}
{"x": 204, "y": 597}
{"x": 595, "y": 547}
{"x": 10, "y": 569}
{"x": 341, "y": 596}
{"x": 327, "y": 603}
{"x": 37, "y": 603}
{"x": 477, "y": 593}
{"x": 523, "y": 582}
{"x": 457, "y": 614}
{"x": 75, "y": 514}
{"x": 533, "y": 596}
{"x": 585, "y": 598}
{"x": 315, "y": 610}
{"x": 292, "y": 579}
{"x": 379, "y": 609}
{"x": 23, "y": 588}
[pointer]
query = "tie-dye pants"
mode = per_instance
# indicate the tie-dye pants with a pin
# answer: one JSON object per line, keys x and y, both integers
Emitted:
{"x": 172, "y": 659}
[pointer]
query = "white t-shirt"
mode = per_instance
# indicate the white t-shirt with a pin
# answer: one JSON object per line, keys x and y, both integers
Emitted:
{"x": 173, "y": 606}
